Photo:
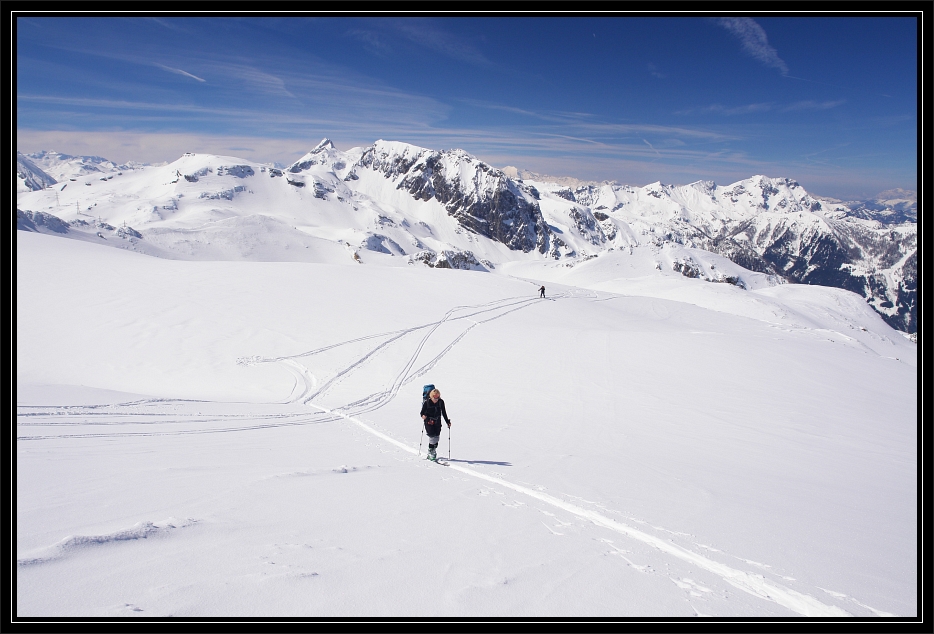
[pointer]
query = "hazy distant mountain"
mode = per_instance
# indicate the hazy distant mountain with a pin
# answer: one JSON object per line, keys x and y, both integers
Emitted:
{"x": 568, "y": 181}
{"x": 893, "y": 206}
{"x": 64, "y": 167}
{"x": 397, "y": 203}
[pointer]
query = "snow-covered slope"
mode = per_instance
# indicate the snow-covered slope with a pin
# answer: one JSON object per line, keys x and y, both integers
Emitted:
{"x": 66, "y": 167}
{"x": 30, "y": 177}
{"x": 893, "y": 206}
{"x": 240, "y": 439}
{"x": 396, "y": 204}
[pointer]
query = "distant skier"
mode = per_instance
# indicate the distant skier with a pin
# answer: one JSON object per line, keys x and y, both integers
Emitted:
{"x": 432, "y": 412}
{"x": 541, "y": 291}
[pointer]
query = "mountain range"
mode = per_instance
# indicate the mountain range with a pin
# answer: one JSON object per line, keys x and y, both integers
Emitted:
{"x": 396, "y": 204}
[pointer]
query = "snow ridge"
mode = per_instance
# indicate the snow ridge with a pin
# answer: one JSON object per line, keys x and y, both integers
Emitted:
{"x": 140, "y": 530}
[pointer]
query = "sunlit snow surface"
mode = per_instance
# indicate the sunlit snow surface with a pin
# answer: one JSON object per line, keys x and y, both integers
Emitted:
{"x": 230, "y": 438}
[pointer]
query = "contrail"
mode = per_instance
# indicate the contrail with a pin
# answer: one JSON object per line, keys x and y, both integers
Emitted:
{"x": 180, "y": 72}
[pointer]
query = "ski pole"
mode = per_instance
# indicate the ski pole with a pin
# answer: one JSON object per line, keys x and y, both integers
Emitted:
{"x": 449, "y": 441}
{"x": 420, "y": 441}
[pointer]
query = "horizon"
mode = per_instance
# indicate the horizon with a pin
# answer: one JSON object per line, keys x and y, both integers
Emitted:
{"x": 828, "y": 102}
{"x": 890, "y": 192}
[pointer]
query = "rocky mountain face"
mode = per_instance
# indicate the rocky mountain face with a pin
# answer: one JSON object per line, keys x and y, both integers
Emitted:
{"x": 379, "y": 199}
{"x": 774, "y": 226}
{"x": 480, "y": 197}
{"x": 768, "y": 225}
{"x": 878, "y": 263}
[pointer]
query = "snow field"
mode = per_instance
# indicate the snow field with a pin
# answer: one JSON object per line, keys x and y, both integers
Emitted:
{"x": 586, "y": 427}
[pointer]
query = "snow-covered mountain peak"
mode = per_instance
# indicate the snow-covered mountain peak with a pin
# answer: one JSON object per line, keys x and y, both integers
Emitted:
{"x": 708, "y": 187}
{"x": 761, "y": 193}
{"x": 193, "y": 166}
{"x": 328, "y": 157}
{"x": 324, "y": 145}
{"x": 456, "y": 169}
{"x": 398, "y": 148}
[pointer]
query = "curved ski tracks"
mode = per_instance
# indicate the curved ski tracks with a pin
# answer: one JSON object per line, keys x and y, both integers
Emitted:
{"x": 753, "y": 584}
{"x": 306, "y": 388}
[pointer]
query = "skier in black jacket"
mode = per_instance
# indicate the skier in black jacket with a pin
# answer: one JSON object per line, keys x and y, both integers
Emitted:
{"x": 432, "y": 412}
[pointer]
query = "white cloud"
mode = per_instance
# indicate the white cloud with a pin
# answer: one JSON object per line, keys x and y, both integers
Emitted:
{"x": 754, "y": 41}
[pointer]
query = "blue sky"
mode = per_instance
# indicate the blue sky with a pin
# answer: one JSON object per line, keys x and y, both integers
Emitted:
{"x": 829, "y": 102}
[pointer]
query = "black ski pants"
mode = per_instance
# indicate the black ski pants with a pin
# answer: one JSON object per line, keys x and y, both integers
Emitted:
{"x": 433, "y": 430}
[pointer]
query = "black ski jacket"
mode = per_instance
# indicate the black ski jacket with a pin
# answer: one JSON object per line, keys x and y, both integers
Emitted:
{"x": 434, "y": 411}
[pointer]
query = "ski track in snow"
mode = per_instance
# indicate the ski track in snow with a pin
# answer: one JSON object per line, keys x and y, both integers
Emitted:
{"x": 55, "y": 417}
{"x": 754, "y": 584}
{"x": 840, "y": 595}
{"x": 306, "y": 389}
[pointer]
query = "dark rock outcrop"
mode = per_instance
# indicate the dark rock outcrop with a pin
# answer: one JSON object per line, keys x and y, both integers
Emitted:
{"x": 39, "y": 221}
{"x": 486, "y": 201}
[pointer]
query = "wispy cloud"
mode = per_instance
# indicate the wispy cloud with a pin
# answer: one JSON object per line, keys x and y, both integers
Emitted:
{"x": 256, "y": 80}
{"x": 324, "y": 101}
{"x": 813, "y": 105}
{"x": 371, "y": 41}
{"x": 632, "y": 129}
{"x": 585, "y": 122}
{"x": 179, "y": 71}
{"x": 118, "y": 104}
{"x": 426, "y": 33}
{"x": 747, "y": 109}
{"x": 653, "y": 70}
{"x": 555, "y": 116}
{"x": 763, "y": 107}
{"x": 123, "y": 145}
{"x": 754, "y": 41}
{"x": 171, "y": 25}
